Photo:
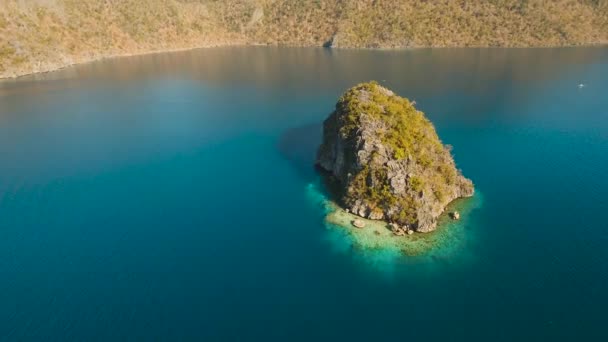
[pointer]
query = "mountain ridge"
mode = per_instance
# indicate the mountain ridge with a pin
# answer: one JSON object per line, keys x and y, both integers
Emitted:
{"x": 44, "y": 35}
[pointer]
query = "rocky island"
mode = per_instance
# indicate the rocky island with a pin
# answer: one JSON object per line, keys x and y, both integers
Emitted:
{"x": 384, "y": 161}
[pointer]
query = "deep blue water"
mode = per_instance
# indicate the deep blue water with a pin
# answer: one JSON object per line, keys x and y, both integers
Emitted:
{"x": 165, "y": 198}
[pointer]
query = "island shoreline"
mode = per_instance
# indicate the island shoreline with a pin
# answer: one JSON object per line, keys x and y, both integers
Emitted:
{"x": 450, "y": 236}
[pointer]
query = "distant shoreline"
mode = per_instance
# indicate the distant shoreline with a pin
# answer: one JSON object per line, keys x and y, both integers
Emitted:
{"x": 52, "y": 67}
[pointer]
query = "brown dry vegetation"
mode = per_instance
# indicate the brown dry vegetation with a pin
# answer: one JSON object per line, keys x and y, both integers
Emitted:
{"x": 40, "y": 35}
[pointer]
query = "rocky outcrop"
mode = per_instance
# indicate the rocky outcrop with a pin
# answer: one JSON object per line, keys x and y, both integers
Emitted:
{"x": 358, "y": 224}
{"x": 385, "y": 161}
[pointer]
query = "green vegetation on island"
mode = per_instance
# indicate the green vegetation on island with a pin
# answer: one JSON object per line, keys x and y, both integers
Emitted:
{"x": 386, "y": 162}
{"x": 43, "y": 35}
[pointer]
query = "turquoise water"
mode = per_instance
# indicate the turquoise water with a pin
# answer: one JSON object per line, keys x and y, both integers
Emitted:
{"x": 168, "y": 197}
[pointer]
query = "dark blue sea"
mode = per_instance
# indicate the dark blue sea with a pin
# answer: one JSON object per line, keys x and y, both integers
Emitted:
{"x": 167, "y": 197}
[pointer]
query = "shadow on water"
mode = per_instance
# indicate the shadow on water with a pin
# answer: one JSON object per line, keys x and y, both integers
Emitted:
{"x": 299, "y": 146}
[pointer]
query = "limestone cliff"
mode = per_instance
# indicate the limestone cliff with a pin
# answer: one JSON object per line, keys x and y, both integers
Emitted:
{"x": 386, "y": 160}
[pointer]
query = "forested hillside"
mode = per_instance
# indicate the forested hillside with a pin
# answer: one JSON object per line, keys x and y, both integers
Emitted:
{"x": 41, "y": 35}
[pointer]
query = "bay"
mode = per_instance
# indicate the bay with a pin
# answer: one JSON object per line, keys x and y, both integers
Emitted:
{"x": 167, "y": 197}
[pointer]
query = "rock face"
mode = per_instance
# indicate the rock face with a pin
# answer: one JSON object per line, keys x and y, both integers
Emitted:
{"x": 385, "y": 161}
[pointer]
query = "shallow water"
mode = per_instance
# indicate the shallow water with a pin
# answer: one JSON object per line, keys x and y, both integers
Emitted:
{"x": 169, "y": 197}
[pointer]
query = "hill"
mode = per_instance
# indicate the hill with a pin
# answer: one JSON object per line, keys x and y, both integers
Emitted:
{"x": 41, "y": 35}
{"x": 386, "y": 161}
